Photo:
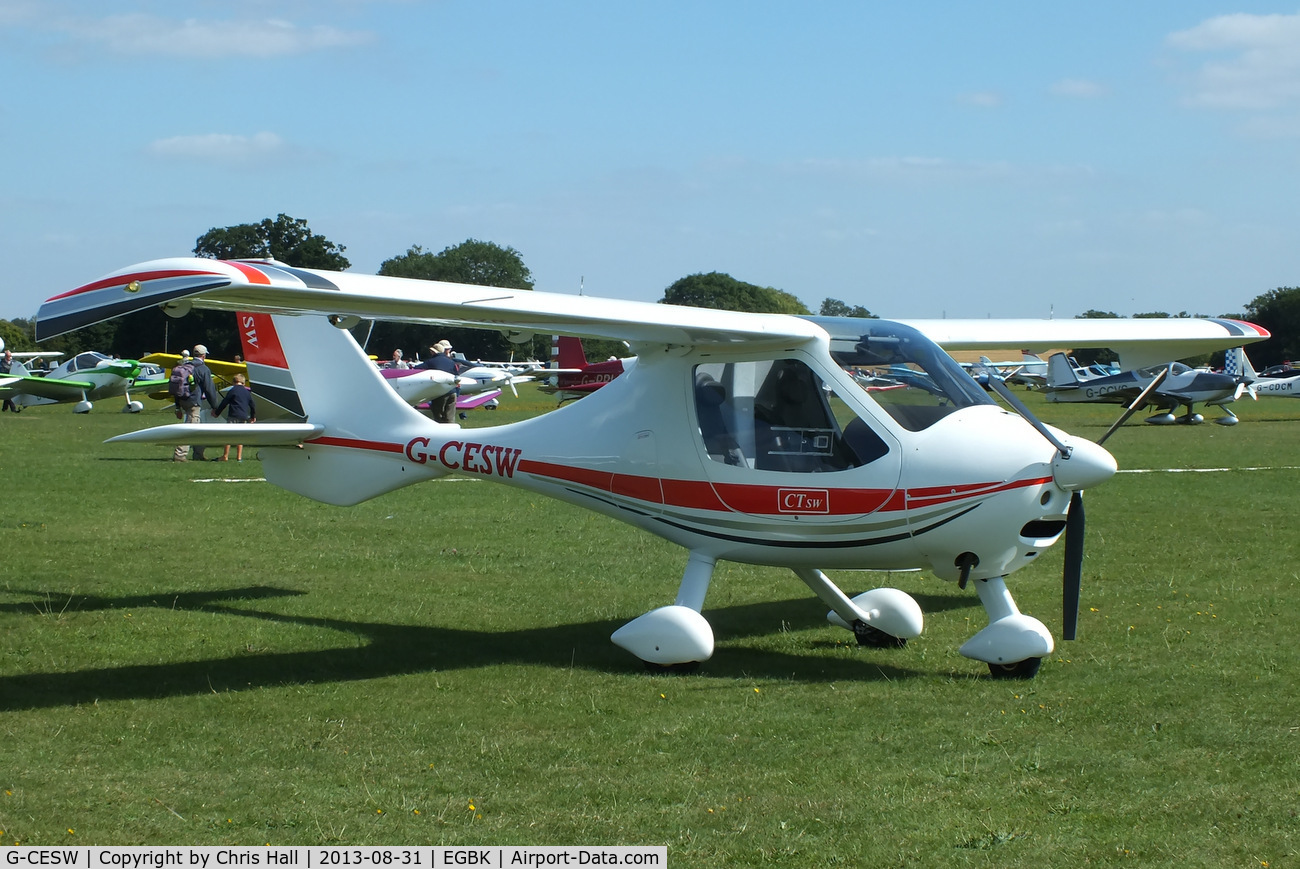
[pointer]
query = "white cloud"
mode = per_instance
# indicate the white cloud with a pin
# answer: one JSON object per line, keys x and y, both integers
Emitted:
{"x": 222, "y": 149}
{"x": 1078, "y": 88}
{"x": 1259, "y": 63}
{"x": 145, "y": 34}
{"x": 981, "y": 99}
{"x": 907, "y": 168}
{"x": 140, "y": 34}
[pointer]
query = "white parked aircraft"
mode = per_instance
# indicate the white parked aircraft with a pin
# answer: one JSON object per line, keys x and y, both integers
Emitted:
{"x": 1031, "y": 371}
{"x": 738, "y": 436}
{"x": 1281, "y": 381}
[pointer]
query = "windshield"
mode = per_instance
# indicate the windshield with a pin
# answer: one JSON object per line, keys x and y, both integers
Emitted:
{"x": 906, "y": 373}
{"x": 88, "y": 360}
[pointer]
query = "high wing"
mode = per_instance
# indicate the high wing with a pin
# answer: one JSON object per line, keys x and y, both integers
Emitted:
{"x": 181, "y": 283}
{"x": 216, "y": 366}
{"x": 1140, "y": 343}
{"x": 29, "y": 355}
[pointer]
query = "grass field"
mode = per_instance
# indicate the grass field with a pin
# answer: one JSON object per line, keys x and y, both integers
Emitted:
{"x": 191, "y": 662}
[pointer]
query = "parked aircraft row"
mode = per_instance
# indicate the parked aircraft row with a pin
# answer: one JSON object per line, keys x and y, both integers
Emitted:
{"x": 81, "y": 380}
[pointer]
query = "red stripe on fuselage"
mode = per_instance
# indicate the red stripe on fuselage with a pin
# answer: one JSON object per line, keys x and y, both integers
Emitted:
{"x": 931, "y": 495}
{"x": 357, "y": 444}
{"x": 725, "y": 497}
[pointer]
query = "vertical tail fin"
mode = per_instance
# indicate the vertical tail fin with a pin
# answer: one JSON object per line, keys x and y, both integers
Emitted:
{"x": 364, "y": 449}
{"x": 1060, "y": 372}
{"x": 268, "y": 371}
{"x": 1237, "y": 364}
{"x": 568, "y": 352}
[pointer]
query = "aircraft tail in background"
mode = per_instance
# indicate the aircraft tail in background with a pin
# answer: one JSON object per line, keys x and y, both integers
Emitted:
{"x": 1237, "y": 364}
{"x": 356, "y": 436}
{"x": 567, "y": 352}
{"x": 1060, "y": 373}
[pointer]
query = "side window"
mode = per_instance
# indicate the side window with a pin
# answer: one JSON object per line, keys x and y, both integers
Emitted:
{"x": 778, "y": 415}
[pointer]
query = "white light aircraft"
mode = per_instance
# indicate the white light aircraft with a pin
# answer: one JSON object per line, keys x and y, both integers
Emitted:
{"x": 1031, "y": 371}
{"x": 30, "y": 354}
{"x": 1285, "y": 381}
{"x": 737, "y": 436}
{"x": 1182, "y": 386}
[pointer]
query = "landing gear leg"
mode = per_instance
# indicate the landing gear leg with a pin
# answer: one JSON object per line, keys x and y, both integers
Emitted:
{"x": 674, "y": 637}
{"x": 881, "y": 618}
{"x": 1013, "y": 644}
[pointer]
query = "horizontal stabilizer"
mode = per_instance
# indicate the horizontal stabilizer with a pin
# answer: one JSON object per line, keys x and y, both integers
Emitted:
{"x": 255, "y": 434}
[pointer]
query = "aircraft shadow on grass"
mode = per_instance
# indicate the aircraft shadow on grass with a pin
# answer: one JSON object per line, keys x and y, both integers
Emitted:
{"x": 394, "y": 650}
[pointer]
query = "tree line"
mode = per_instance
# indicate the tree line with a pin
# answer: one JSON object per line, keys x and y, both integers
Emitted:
{"x": 484, "y": 263}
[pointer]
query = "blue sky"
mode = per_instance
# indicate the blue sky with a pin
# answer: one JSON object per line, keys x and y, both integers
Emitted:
{"x": 923, "y": 159}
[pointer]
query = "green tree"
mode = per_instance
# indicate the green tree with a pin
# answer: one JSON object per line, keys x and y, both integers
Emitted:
{"x": 286, "y": 239}
{"x": 723, "y": 292}
{"x": 1278, "y": 311}
{"x": 837, "y": 308}
{"x": 480, "y": 263}
{"x": 17, "y": 335}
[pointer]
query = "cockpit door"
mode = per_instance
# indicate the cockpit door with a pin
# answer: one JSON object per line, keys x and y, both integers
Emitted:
{"x": 779, "y": 441}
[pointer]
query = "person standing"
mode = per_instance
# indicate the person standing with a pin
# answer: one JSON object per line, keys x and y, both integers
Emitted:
{"x": 443, "y": 408}
{"x": 191, "y": 388}
{"x": 243, "y": 410}
{"x": 6, "y": 367}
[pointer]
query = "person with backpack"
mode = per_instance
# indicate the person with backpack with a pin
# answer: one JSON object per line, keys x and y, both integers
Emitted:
{"x": 190, "y": 384}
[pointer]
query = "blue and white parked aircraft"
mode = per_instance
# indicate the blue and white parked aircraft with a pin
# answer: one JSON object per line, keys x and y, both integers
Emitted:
{"x": 1182, "y": 386}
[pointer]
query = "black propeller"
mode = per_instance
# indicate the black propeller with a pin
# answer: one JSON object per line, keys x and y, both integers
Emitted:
{"x": 1072, "y": 573}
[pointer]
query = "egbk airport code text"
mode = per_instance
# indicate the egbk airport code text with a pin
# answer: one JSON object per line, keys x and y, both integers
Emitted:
{"x": 375, "y": 857}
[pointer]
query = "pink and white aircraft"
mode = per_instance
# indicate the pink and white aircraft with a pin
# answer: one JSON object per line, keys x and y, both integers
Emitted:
{"x": 737, "y": 436}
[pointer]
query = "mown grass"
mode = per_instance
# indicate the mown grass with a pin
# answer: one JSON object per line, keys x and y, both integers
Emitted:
{"x": 210, "y": 663}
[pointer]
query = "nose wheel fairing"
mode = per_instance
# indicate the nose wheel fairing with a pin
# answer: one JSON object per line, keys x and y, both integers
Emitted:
{"x": 1011, "y": 636}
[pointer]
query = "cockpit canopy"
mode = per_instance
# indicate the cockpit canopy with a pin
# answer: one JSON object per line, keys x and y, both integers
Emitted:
{"x": 907, "y": 374}
{"x": 87, "y": 361}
